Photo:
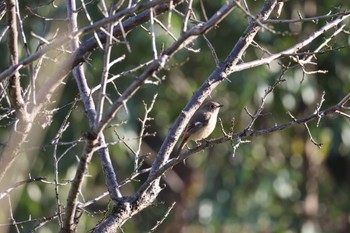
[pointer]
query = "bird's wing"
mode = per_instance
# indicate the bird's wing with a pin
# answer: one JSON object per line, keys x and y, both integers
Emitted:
{"x": 196, "y": 124}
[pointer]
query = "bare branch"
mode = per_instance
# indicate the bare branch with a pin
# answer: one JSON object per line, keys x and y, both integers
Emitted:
{"x": 23, "y": 125}
{"x": 161, "y": 6}
{"x": 290, "y": 51}
{"x": 146, "y": 118}
{"x": 70, "y": 220}
{"x": 153, "y": 35}
{"x": 218, "y": 75}
{"x": 163, "y": 218}
{"x": 248, "y": 133}
{"x": 187, "y": 16}
{"x": 315, "y": 19}
{"x": 184, "y": 40}
{"x": 29, "y": 180}
{"x": 105, "y": 73}
{"x": 105, "y": 88}
{"x": 319, "y": 145}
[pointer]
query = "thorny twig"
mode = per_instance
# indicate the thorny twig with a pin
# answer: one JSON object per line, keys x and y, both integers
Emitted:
{"x": 319, "y": 105}
{"x": 315, "y": 19}
{"x": 259, "y": 110}
{"x": 335, "y": 109}
{"x": 144, "y": 121}
{"x": 29, "y": 180}
{"x": 257, "y": 113}
{"x": 163, "y": 218}
{"x": 42, "y": 221}
{"x": 58, "y": 136}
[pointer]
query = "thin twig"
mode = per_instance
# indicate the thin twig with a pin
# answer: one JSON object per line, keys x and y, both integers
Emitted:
{"x": 166, "y": 214}
{"x": 187, "y": 16}
{"x": 315, "y": 19}
{"x": 292, "y": 50}
{"x": 153, "y": 34}
{"x": 146, "y": 118}
{"x": 106, "y": 66}
{"x": 319, "y": 145}
{"x": 17, "y": 184}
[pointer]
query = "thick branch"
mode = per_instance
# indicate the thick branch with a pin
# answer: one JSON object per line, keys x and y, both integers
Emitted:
{"x": 53, "y": 82}
{"x": 182, "y": 42}
{"x": 70, "y": 220}
{"x": 127, "y": 208}
{"x": 111, "y": 180}
{"x": 218, "y": 75}
{"x": 23, "y": 125}
{"x": 14, "y": 82}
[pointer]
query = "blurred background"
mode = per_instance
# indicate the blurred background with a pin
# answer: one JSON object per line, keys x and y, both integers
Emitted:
{"x": 278, "y": 182}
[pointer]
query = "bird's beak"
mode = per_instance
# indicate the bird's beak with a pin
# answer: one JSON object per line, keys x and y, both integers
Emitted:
{"x": 221, "y": 105}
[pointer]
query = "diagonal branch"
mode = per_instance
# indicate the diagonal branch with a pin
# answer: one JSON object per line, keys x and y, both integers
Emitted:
{"x": 23, "y": 124}
{"x": 155, "y": 66}
{"x": 14, "y": 81}
{"x": 217, "y": 76}
{"x": 310, "y": 19}
{"x": 70, "y": 223}
{"x": 55, "y": 80}
{"x": 335, "y": 109}
{"x": 292, "y": 50}
{"x": 129, "y": 206}
{"x": 160, "y": 6}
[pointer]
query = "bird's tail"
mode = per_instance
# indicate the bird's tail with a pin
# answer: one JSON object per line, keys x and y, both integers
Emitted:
{"x": 182, "y": 145}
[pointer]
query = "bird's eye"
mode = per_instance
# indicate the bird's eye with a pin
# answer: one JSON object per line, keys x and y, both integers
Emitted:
{"x": 212, "y": 106}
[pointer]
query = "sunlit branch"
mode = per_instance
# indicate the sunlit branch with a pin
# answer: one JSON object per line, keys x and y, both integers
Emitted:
{"x": 62, "y": 40}
{"x": 289, "y": 52}
{"x": 315, "y": 19}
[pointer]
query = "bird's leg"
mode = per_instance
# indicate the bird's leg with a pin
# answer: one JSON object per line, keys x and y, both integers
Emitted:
{"x": 198, "y": 142}
{"x": 203, "y": 141}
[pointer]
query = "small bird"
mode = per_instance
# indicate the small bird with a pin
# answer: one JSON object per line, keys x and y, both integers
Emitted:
{"x": 202, "y": 123}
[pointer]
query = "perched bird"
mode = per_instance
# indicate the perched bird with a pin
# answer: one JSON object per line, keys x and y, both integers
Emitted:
{"x": 202, "y": 123}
